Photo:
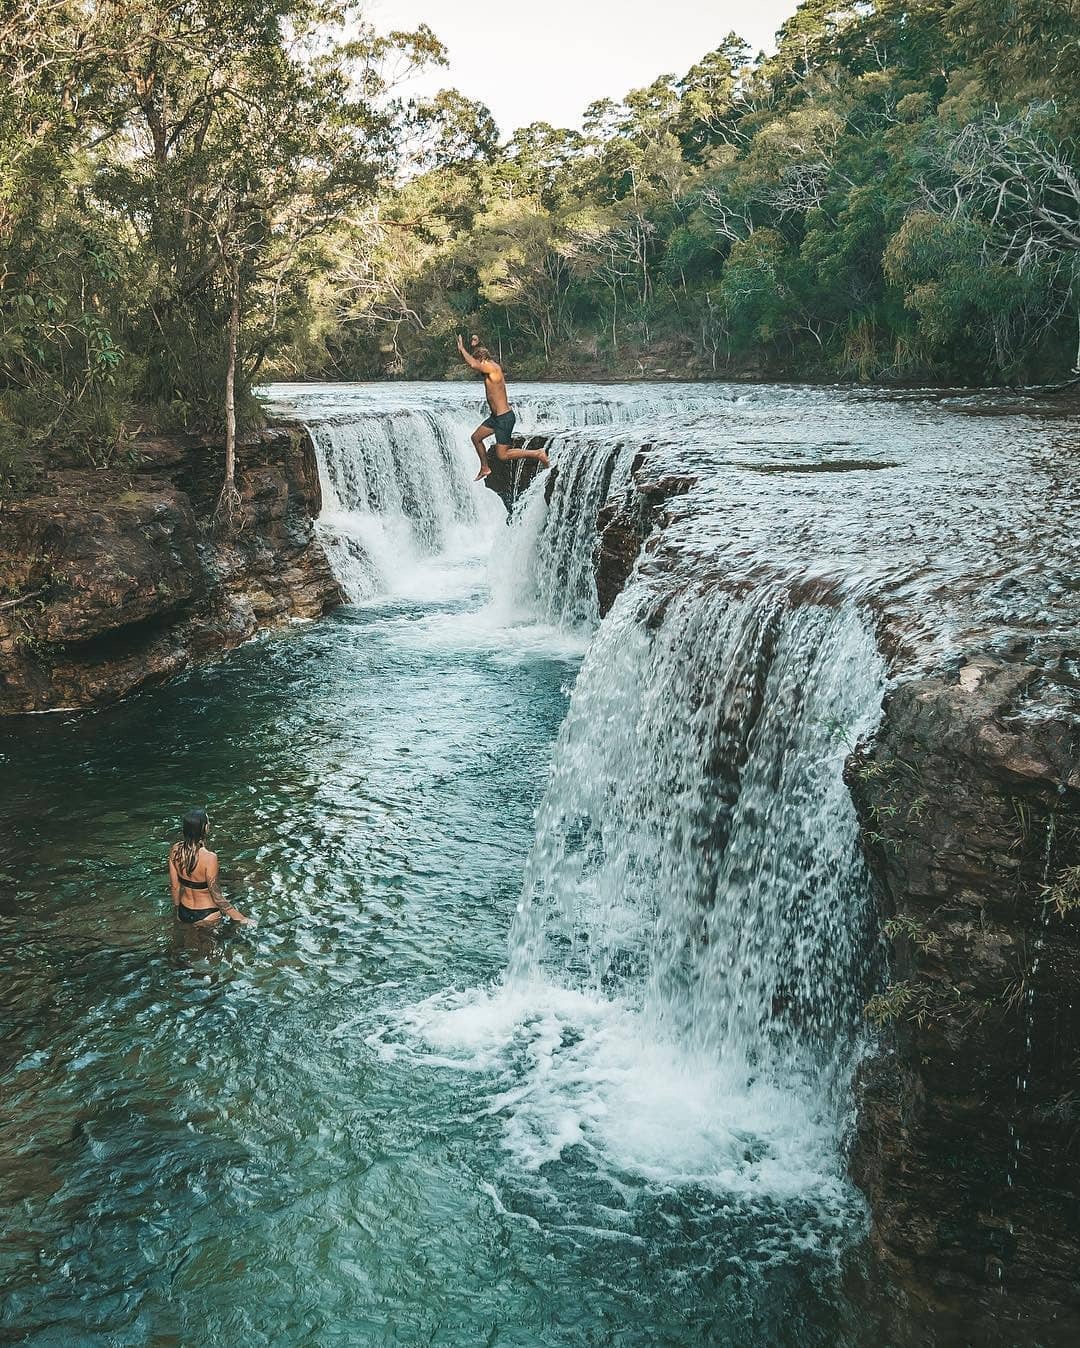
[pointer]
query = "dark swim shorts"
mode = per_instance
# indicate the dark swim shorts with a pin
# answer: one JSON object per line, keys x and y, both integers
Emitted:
{"x": 502, "y": 425}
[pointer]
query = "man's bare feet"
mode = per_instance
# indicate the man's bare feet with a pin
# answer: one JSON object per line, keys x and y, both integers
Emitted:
{"x": 485, "y": 471}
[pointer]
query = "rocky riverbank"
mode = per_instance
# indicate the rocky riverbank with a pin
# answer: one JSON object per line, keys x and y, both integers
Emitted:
{"x": 115, "y": 578}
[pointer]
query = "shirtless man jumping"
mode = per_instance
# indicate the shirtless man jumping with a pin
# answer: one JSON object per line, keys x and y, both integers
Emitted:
{"x": 501, "y": 422}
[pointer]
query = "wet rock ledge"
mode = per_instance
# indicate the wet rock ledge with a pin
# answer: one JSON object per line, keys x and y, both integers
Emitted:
{"x": 624, "y": 524}
{"x": 968, "y": 1136}
{"x": 112, "y": 579}
{"x": 510, "y": 478}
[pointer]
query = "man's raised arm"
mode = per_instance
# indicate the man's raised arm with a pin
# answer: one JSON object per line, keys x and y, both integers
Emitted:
{"x": 469, "y": 360}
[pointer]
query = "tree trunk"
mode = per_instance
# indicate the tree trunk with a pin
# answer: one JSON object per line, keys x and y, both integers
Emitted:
{"x": 230, "y": 379}
{"x": 229, "y": 501}
{"x": 1076, "y": 367}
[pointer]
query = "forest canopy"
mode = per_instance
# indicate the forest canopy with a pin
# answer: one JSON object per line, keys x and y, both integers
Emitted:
{"x": 892, "y": 195}
{"x": 168, "y": 171}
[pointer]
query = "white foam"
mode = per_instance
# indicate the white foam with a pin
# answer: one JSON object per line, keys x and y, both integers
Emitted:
{"x": 572, "y": 1069}
{"x": 401, "y": 515}
{"x": 636, "y": 1028}
{"x": 480, "y": 633}
{"x": 513, "y": 561}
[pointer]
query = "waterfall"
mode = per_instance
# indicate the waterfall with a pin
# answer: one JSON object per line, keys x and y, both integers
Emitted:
{"x": 696, "y": 852}
{"x": 590, "y": 469}
{"x": 692, "y": 946}
{"x": 396, "y": 489}
{"x": 691, "y": 949}
{"x": 397, "y": 475}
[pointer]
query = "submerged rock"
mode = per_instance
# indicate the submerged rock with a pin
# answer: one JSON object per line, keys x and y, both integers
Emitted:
{"x": 114, "y": 579}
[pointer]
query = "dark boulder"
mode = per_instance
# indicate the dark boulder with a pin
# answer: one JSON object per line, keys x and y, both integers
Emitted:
{"x": 510, "y": 478}
{"x": 968, "y": 1139}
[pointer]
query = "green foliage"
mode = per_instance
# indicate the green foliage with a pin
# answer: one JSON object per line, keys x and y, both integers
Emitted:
{"x": 158, "y": 162}
{"x": 887, "y": 197}
{"x": 754, "y": 291}
{"x": 892, "y": 195}
{"x": 966, "y": 301}
{"x": 917, "y": 933}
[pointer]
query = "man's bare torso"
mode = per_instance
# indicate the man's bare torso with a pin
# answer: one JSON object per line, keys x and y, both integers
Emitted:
{"x": 495, "y": 388}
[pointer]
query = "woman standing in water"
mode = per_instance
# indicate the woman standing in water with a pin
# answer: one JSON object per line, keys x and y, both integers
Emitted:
{"x": 193, "y": 876}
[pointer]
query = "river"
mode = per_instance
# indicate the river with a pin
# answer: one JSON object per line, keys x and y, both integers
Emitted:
{"x": 547, "y": 1031}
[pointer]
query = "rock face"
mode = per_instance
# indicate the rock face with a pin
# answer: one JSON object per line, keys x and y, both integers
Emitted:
{"x": 113, "y": 579}
{"x": 968, "y": 1141}
{"x": 509, "y": 478}
{"x": 625, "y": 522}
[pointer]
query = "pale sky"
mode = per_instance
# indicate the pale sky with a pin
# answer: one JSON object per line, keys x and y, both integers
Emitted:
{"x": 547, "y": 60}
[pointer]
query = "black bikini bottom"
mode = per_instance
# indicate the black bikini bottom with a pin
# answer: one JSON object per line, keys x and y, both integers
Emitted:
{"x": 193, "y": 914}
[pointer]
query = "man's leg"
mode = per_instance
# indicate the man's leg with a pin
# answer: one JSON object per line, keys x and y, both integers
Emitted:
{"x": 478, "y": 437}
{"x": 505, "y": 452}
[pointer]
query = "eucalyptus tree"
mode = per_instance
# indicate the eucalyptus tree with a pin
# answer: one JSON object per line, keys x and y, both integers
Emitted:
{"x": 62, "y": 259}
{"x": 994, "y": 251}
{"x": 712, "y": 96}
{"x": 194, "y": 151}
{"x": 891, "y": 194}
{"x": 251, "y": 126}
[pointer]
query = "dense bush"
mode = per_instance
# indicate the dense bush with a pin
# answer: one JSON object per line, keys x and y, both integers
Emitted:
{"x": 193, "y": 189}
{"x": 166, "y": 170}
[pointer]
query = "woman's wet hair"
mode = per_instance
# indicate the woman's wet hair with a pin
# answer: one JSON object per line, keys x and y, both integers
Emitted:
{"x": 195, "y": 823}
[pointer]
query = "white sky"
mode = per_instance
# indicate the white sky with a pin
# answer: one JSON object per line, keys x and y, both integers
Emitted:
{"x": 547, "y": 60}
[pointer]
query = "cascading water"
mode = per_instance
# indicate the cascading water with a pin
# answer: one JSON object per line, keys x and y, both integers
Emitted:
{"x": 694, "y": 894}
{"x": 590, "y": 470}
{"x": 690, "y": 955}
{"x": 552, "y": 563}
{"x": 395, "y": 489}
{"x": 696, "y": 853}
{"x": 397, "y": 481}
{"x": 354, "y": 1123}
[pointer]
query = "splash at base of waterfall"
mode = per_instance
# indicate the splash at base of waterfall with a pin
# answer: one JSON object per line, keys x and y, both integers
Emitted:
{"x": 688, "y": 958}
{"x": 601, "y": 1120}
{"x": 697, "y": 850}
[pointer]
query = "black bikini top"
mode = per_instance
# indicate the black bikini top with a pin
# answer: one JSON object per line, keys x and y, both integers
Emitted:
{"x": 192, "y": 884}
